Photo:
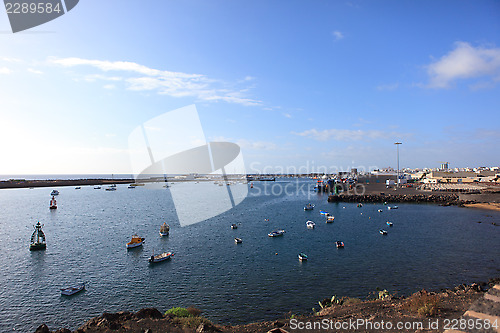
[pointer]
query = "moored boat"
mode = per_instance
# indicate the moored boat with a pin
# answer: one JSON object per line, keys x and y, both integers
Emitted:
{"x": 38, "y": 238}
{"x": 78, "y": 188}
{"x": 380, "y": 210}
{"x": 111, "y": 188}
{"x": 164, "y": 229}
{"x": 238, "y": 240}
{"x": 53, "y": 203}
{"x": 160, "y": 257}
{"x": 389, "y": 223}
{"x": 309, "y": 207}
{"x": 276, "y": 233}
{"x": 382, "y": 232}
{"x": 135, "y": 242}
{"x": 68, "y": 291}
{"x": 339, "y": 244}
{"x": 302, "y": 256}
{"x": 322, "y": 212}
{"x": 54, "y": 192}
{"x": 359, "y": 205}
{"x": 234, "y": 226}
{"x": 393, "y": 207}
{"x": 310, "y": 224}
{"x": 330, "y": 219}
{"x": 97, "y": 187}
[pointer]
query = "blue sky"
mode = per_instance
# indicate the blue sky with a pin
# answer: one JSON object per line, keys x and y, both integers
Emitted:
{"x": 300, "y": 84}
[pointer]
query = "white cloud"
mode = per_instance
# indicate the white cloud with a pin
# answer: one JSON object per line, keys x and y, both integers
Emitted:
{"x": 5, "y": 70}
{"x": 176, "y": 84}
{"x": 34, "y": 71}
{"x": 346, "y": 135}
{"x": 287, "y": 115}
{"x": 8, "y": 59}
{"x": 464, "y": 62}
{"x": 109, "y": 86}
{"x": 337, "y": 35}
{"x": 388, "y": 87}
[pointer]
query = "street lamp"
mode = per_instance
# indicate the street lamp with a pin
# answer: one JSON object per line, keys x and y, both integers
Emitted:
{"x": 397, "y": 149}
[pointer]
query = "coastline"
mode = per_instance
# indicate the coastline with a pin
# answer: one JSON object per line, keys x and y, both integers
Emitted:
{"x": 484, "y": 205}
{"x": 439, "y": 307}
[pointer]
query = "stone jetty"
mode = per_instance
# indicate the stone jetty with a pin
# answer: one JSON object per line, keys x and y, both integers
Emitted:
{"x": 443, "y": 199}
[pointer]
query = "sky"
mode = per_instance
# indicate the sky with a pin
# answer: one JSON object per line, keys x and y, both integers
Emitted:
{"x": 299, "y": 85}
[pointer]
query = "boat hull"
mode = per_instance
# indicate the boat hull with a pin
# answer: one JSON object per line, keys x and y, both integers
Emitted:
{"x": 160, "y": 258}
{"x": 131, "y": 246}
{"x": 164, "y": 234}
{"x": 72, "y": 290}
{"x": 37, "y": 246}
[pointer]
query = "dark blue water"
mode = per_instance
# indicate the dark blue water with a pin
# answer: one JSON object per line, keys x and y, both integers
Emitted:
{"x": 429, "y": 247}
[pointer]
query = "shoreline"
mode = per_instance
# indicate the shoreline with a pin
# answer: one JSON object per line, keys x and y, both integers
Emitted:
{"x": 484, "y": 205}
{"x": 445, "y": 304}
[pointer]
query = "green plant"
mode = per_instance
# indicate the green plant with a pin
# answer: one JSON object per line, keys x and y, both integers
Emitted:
{"x": 179, "y": 312}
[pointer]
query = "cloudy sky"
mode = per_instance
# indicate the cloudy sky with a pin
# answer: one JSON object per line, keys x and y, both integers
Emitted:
{"x": 297, "y": 84}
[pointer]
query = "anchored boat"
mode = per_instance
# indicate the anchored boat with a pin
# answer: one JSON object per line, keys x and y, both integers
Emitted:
{"x": 389, "y": 223}
{"x": 309, "y": 207}
{"x": 135, "y": 242}
{"x": 234, "y": 226}
{"x": 393, "y": 207}
{"x": 339, "y": 244}
{"x": 164, "y": 229}
{"x": 330, "y": 219}
{"x": 302, "y": 256}
{"x": 54, "y": 192}
{"x": 53, "y": 203}
{"x": 382, "y": 232}
{"x": 38, "y": 238}
{"x": 160, "y": 257}
{"x": 276, "y": 233}
{"x": 238, "y": 240}
{"x": 68, "y": 291}
{"x": 310, "y": 224}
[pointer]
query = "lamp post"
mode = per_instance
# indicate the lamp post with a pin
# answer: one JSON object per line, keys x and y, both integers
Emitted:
{"x": 397, "y": 149}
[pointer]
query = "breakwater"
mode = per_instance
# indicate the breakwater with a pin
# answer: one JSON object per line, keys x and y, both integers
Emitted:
{"x": 444, "y": 199}
{"x": 22, "y": 183}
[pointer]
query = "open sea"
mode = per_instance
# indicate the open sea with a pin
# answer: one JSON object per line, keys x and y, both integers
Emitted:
{"x": 429, "y": 247}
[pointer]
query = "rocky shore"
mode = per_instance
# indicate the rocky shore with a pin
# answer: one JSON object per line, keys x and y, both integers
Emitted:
{"x": 422, "y": 306}
{"x": 443, "y": 199}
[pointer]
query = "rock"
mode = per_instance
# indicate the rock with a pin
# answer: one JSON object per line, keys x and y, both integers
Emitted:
{"x": 148, "y": 313}
{"x": 42, "y": 329}
{"x": 63, "y": 330}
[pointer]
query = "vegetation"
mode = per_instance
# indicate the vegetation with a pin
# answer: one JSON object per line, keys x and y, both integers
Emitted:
{"x": 424, "y": 304}
{"x": 189, "y": 317}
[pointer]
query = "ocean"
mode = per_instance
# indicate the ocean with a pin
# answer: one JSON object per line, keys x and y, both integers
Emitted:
{"x": 429, "y": 247}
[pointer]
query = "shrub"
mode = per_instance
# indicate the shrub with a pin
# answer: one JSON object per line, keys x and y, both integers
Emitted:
{"x": 179, "y": 312}
{"x": 424, "y": 304}
{"x": 194, "y": 311}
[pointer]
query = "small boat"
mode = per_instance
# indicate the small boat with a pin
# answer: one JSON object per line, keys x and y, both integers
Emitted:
{"x": 309, "y": 207}
{"x": 389, "y": 223}
{"x": 68, "y": 291}
{"x": 135, "y": 242}
{"x": 54, "y": 192}
{"x": 380, "y": 210}
{"x": 132, "y": 186}
{"x": 113, "y": 185}
{"x": 276, "y": 233}
{"x": 53, "y": 203}
{"x": 302, "y": 256}
{"x": 238, "y": 240}
{"x": 234, "y": 226}
{"x": 97, "y": 187}
{"x": 330, "y": 219}
{"x": 160, "y": 257}
{"x": 310, "y": 224}
{"x": 339, "y": 244}
{"x": 164, "y": 229}
{"x": 359, "y": 205}
{"x": 393, "y": 207}
{"x": 78, "y": 188}
{"x": 251, "y": 185}
{"x": 38, "y": 238}
{"x": 322, "y": 212}
{"x": 382, "y": 232}
{"x": 111, "y": 188}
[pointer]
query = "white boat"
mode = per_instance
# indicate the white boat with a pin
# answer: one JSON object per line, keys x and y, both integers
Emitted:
{"x": 164, "y": 229}
{"x": 97, "y": 187}
{"x": 53, "y": 203}
{"x": 309, "y": 207}
{"x": 160, "y": 257}
{"x": 68, "y": 291}
{"x": 393, "y": 207}
{"x": 380, "y": 210}
{"x": 111, "y": 188}
{"x": 54, "y": 192}
{"x": 135, "y": 242}
{"x": 389, "y": 223}
{"x": 310, "y": 224}
{"x": 382, "y": 232}
{"x": 238, "y": 240}
{"x": 37, "y": 238}
{"x": 330, "y": 219}
{"x": 276, "y": 233}
{"x": 302, "y": 256}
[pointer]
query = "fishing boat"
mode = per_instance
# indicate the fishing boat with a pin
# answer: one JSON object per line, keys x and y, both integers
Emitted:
{"x": 310, "y": 224}
{"x": 132, "y": 186}
{"x": 234, "y": 226}
{"x": 135, "y": 242}
{"x": 160, "y": 257}
{"x": 38, "y": 238}
{"x": 382, "y": 232}
{"x": 78, "y": 188}
{"x": 302, "y": 256}
{"x": 97, "y": 187}
{"x": 380, "y": 210}
{"x": 238, "y": 240}
{"x": 339, "y": 244}
{"x": 111, "y": 188}
{"x": 53, "y": 203}
{"x": 54, "y": 192}
{"x": 164, "y": 229}
{"x": 309, "y": 207}
{"x": 68, "y": 291}
{"x": 322, "y": 212}
{"x": 393, "y": 207}
{"x": 330, "y": 219}
{"x": 276, "y": 233}
{"x": 389, "y": 223}
{"x": 359, "y": 205}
